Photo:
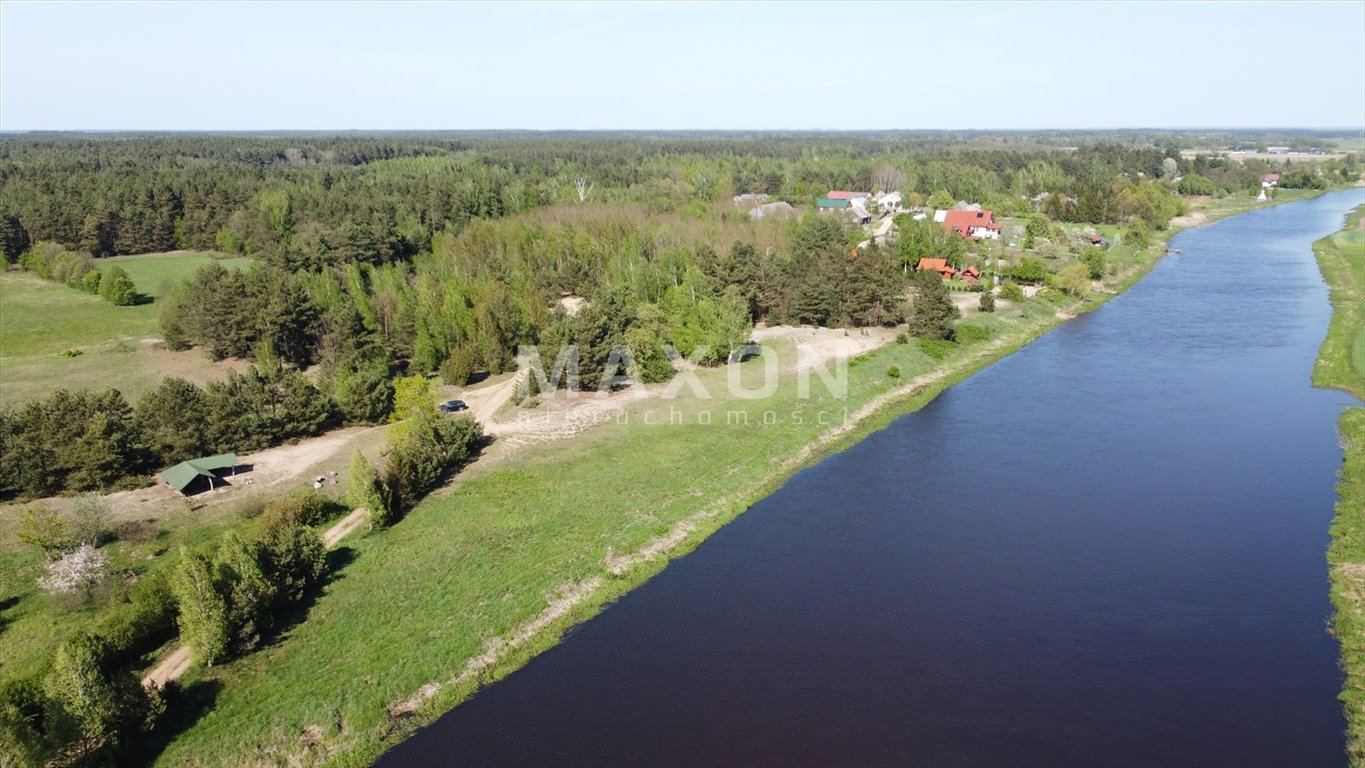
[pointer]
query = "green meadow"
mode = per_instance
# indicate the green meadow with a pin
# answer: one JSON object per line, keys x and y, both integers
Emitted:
{"x": 52, "y": 335}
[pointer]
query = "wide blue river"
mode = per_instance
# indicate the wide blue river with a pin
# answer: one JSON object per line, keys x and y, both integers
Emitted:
{"x": 1104, "y": 550}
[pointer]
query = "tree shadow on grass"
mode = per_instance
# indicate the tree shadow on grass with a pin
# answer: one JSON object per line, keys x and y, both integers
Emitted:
{"x": 6, "y": 604}
{"x": 184, "y": 706}
{"x": 338, "y": 560}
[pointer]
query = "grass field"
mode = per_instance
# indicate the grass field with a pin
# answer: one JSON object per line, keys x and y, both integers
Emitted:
{"x": 52, "y": 335}
{"x": 1341, "y": 365}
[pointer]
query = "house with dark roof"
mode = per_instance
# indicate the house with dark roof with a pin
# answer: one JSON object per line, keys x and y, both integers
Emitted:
{"x": 976, "y": 225}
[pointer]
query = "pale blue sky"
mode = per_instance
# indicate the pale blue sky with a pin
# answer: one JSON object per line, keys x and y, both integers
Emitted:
{"x": 243, "y": 66}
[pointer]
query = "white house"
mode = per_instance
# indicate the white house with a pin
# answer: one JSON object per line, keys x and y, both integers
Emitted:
{"x": 889, "y": 202}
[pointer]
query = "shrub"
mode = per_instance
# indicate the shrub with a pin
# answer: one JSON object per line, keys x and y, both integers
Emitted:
{"x": 117, "y": 288}
{"x": 1010, "y": 291}
{"x": 1074, "y": 280}
{"x": 1029, "y": 270}
{"x": 902, "y": 338}
{"x": 987, "y": 302}
{"x": 303, "y": 507}
{"x": 362, "y": 488}
{"x": 142, "y": 624}
{"x": 894, "y": 372}
{"x": 89, "y": 520}
{"x": 43, "y": 528}
{"x": 90, "y": 282}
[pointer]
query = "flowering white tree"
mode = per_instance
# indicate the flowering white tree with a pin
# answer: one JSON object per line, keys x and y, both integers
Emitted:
{"x": 80, "y": 570}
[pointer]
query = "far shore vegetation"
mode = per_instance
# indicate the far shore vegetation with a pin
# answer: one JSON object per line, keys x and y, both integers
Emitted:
{"x": 1341, "y": 365}
{"x": 307, "y": 302}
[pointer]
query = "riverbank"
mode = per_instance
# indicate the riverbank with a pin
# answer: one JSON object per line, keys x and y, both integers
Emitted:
{"x": 477, "y": 581}
{"x": 1341, "y": 365}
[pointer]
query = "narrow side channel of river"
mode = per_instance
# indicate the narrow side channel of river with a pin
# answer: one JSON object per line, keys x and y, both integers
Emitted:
{"x": 1105, "y": 550}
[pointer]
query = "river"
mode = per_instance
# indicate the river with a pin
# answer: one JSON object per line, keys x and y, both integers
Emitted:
{"x": 1104, "y": 550}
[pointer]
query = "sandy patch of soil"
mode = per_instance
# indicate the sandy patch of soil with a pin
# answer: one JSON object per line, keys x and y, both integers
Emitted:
{"x": 818, "y": 346}
{"x": 1191, "y": 219}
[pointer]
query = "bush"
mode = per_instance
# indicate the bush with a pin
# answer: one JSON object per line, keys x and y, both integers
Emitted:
{"x": 1010, "y": 291}
{"x": 90, "y": 282}
{"x": 987, "y": 302}
{"x": 89, "y": 520}
{"x": 44, "y": 529}
{"x": 902, "y": 338}
{"x": 894, "y": 372}
{"x": 142, "y": 624}
{"x": 937, "y": 348}
{"x": 117, "y": 288}
{"x": 303, "y": 507}
{"x": 1029, "y": 270}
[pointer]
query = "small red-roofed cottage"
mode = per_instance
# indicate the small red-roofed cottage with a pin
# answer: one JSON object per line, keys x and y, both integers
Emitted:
{"x": 976, "y": 225}
{"x": 972, "y": 275}
{"x": 941, "y": 266}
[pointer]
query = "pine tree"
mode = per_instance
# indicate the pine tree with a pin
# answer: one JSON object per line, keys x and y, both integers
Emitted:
{"x": 933, "y": 312}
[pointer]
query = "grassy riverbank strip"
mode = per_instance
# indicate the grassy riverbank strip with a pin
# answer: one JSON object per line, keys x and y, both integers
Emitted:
{"x": 1341, "y": 365}
{"x": 480, "y": 579}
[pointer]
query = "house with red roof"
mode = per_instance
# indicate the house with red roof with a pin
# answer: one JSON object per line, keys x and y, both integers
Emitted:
{"x": 972, "y": 275}
{"x": 1270, "y": 180}
{"x": 843, "y": 194}
{"x": 941, "y": 266}
{"x": 975, "y": 225}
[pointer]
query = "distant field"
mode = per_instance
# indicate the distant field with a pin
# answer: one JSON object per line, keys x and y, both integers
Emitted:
{"x": 154, "y": 270}
{"x": 41, "y": 322}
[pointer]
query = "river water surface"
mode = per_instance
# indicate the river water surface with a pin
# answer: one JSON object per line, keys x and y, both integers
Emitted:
{"x": 1104, "y": 550}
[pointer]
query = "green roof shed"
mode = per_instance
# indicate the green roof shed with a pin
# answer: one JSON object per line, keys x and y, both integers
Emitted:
{"x": 182, "y": 475}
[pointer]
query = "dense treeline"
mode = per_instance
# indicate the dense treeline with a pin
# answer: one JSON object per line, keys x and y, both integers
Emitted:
{"x": 310, "y": 201}
{"x": 88, "y": 441}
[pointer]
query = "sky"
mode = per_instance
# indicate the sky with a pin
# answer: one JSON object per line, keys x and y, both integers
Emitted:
{"x": 599, "y": 66}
